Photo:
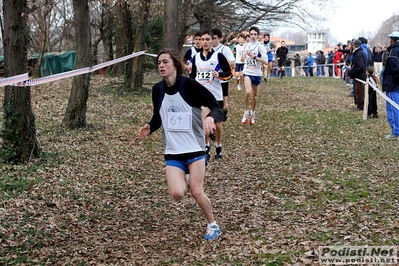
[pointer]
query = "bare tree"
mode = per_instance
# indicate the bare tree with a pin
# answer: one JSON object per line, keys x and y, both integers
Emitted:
{"x": 42, "y": 17}
{"x": 123, "y": 34}
{"x": 299, "y": 37}
{"x": 51, "y": 25}
{"x": 388, "y": 26}
{"x": 102, "y": 29}
{"x": 135, "y": 80}
{"x": 64, "y": 30}
{"x": 75, "y": 115}
{"x": 19, "y": 129}
{"x": 237, "y": 15}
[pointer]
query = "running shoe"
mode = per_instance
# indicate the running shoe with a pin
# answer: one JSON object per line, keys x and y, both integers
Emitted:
{"x": 252, "y": 118}
{"x": 208, "y": 152}
{"x": 391, "y": 136}
{"x": 218, "y": 152}
{"x": 226, "y": 115}
{"x": 212, "y": 232}
{"x": 245, "y": 117}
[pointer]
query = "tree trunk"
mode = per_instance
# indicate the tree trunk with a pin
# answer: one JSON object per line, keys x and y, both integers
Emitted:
{"x": 123, "y": 34}
{"x": 75, "y": 115}
{"x": 171, "y": 25}
{"x": 19, "y": 129}
{"x": 135, "y": 80}
{"x": 184, "y": 14}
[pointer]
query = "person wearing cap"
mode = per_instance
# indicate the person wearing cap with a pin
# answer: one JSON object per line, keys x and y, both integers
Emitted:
{"x": 390, "y": 84}
{"x": 297, "y": 65}
{"x": 357, "y": 70}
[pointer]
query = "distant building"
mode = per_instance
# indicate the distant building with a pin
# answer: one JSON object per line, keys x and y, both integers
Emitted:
{"x": 316, "y": 41}
{"x": 296, "y": 48}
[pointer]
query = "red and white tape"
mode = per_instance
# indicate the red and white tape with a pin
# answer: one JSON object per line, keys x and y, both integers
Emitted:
{"x": 13, "y": 79}
{"x": 23, "y": 79}
{"x": 374, "y": 86}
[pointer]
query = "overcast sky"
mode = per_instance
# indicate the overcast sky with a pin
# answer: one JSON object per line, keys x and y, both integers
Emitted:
{"x": 356, "y": 17}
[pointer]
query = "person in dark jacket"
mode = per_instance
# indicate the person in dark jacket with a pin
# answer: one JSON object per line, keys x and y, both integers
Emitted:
{"x": 372, "y": 111}
{"x": 358, "y": 71}
{"x": 390, "y": 84}
{"x": 330, "y": 63}
{"x": 322, "y": 62}
{"x": 297, "y": 65}
{"x": 367, "y": 51}
{"x": 377, "y": 58}
{"x": 281, "y": 55}
{"x": 306, "y": 66}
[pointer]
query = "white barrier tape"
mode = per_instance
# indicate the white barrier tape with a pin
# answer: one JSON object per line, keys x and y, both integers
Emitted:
{"x": 19, "y": 81}
{"x": 153, "y": 55}
{"x": 373, "y": 85}
{"x": 13, "y": 79}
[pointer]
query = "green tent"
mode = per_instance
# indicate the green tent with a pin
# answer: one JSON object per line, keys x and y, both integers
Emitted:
{"x": 53, "y": 63}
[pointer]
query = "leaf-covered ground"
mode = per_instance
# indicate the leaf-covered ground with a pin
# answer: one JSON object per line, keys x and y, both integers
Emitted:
{"x": 309, "y": 173}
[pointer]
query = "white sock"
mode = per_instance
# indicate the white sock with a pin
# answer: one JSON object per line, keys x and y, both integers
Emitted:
{"x": 212, "y": 224}
{"x": 218, "y": 145}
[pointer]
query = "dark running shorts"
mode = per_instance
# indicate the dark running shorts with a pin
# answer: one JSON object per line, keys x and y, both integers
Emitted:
{"x": 239, "y": 67}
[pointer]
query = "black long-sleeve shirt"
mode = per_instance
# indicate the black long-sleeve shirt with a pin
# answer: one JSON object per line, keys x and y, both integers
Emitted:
{"x": 197, "y": 96}
{"x": 282, "y": 53}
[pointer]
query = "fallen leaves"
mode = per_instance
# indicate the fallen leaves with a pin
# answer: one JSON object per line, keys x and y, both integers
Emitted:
{"x": 303, "y": 176}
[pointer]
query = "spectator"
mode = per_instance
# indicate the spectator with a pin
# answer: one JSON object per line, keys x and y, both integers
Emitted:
{"x": 367, "y": 51}
{"x": 384, "y": 55}
{"x": 330, "y": 63}
{"x": 384, "y": 61}
{"x": 377, "y": 58}
{"x": 391, "y": 84}
{"x": 372, "y": 111}
{"x": 358, "y": 71}
{"x": 337, "y": 61}
{"x": 288, "y": 65}
{"x": 310, "y": 64}
{"x": 306, "y": 66}
{"x": 317, "y": 61}
{"x": 297, "y": 65}
{"x": 322, "y": 61}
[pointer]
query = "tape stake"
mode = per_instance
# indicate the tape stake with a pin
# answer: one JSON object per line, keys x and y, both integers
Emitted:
{"x": 374, "y": 86}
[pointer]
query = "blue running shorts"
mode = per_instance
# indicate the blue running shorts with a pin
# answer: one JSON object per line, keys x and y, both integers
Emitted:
{"x": 183, "y": 164}
{"x": 255, "y": 80}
